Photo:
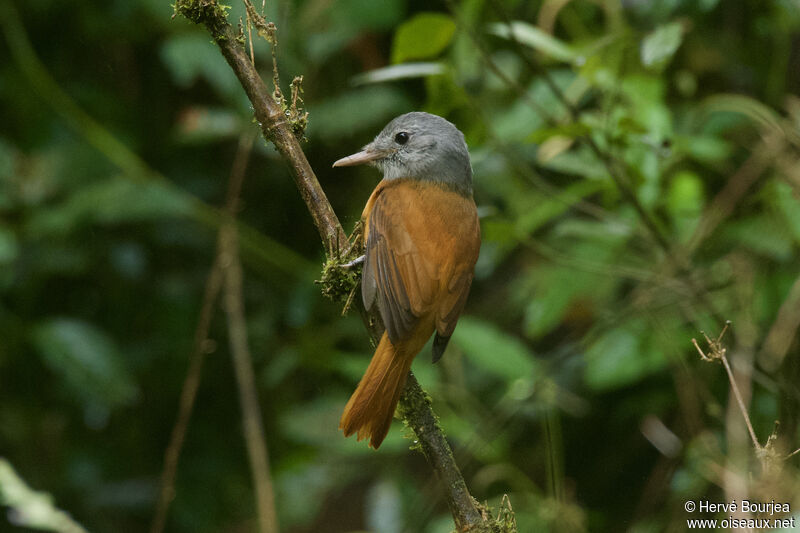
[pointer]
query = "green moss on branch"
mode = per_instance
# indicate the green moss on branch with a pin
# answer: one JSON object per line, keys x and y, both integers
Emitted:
{"x": 210, "y": 13}
{"x": 338, "y": 283}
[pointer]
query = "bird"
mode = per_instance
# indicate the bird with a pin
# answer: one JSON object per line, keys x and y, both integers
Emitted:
{"x": 422, "y": 240}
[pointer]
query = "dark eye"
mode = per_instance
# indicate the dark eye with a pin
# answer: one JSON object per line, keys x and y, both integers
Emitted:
{"x": 401, "y": 138}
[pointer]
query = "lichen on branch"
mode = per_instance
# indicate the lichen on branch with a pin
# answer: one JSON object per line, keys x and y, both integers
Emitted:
{"x": 341, "y": 281}
{"x": 208, "y": 12}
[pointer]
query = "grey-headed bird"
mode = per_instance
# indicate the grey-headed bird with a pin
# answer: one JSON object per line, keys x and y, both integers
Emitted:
{"x": 422, "y": 241}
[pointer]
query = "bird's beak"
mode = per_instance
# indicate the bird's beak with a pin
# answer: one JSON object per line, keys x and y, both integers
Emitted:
{"x": 367, "y": 155}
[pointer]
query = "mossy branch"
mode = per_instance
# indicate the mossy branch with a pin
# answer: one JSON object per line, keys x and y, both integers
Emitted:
{"x": 275, "y": 124}
{"x": 414, "y": 405}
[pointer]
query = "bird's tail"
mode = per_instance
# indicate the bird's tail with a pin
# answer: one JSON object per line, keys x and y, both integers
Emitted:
{"x": 371, "y": 407}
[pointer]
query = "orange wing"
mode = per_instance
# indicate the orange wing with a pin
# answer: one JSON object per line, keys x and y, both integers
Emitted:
{"x": 422, "y": 242}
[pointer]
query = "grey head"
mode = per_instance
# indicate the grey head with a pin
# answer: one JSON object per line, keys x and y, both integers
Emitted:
{"x": 419, "y": 146}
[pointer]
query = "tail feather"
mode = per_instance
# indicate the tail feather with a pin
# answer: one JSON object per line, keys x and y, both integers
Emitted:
{"x": 370, "y": 409}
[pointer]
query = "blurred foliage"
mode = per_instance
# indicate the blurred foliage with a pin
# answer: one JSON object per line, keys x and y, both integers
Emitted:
{"x": 29, "y": 508}
{"x": 115, "y": 152}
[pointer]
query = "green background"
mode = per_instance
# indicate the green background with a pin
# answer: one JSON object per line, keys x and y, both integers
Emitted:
{"x": 571, "y": 383}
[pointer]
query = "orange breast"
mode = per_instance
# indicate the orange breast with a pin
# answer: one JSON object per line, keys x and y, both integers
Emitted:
{"x": 423, "y": 240}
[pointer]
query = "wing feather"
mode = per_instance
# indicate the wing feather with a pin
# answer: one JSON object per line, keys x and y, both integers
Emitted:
{"x": 407, "y": 273}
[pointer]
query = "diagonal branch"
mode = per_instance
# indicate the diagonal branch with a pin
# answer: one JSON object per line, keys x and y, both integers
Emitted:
{"x": 414, "y": 404}
{"x": 270, "y": 116}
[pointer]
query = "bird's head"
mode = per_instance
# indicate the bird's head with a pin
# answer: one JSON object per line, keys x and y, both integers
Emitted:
{"x": 418, "y": 146}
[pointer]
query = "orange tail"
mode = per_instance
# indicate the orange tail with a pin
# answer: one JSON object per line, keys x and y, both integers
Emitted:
{"x": 371, "y": 407}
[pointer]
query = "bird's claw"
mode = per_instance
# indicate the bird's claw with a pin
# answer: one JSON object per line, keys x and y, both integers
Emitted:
{"x": 354, "y": 262}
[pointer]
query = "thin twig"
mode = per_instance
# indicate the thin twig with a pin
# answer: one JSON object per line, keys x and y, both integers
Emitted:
{"x": 269, "y": 33}
{"x": 248, "y": 396}
{"x": 718, "y": 352}
{"x": 533, "y": 65}
{"x": 202, "y": 344}
{"x": 250, "y": 40}
{"x": 188, "y": 394}
{"x": 273, "y": 122}
{"x": 735, "y": 189}
{"x": 740, "y": 401}
{"x": 240, "y": 352}
{"x": 767, "y": 454}
{"x": 783, "y": 331}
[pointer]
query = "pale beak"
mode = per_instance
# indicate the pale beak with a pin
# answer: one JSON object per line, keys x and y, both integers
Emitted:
{"x": 364, "y": 156}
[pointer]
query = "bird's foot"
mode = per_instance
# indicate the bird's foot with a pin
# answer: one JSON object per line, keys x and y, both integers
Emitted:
{"x": 355, "y": 262}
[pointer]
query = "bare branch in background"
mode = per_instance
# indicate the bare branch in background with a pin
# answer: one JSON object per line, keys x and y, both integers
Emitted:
{"x": 202, "y": 344}
{"x": 248, "y": 395}
{"x": 191, "y": 383}
{"x": 767, "y": 454}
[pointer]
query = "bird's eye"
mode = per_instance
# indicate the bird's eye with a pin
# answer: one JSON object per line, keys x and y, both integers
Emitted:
{"x": 401, "y": 138}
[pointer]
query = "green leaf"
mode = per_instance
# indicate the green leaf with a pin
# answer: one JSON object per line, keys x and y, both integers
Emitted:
{"x": 548, "y": 306}
{"x": 193, "y": 56}
{"x": 342, "y": 22}
{"x": 684, "y": 202}
{"x": 88, "y": 361}
{"x": 202, "y": 125}
{"x": 366, "y": 14}
{"x": 760, "y": 114}
{"x": 578, "y": 162}
{"x": 647, "y": 111}
{"x": 596, "y": 248}
{"x": 605, "y": 63}
{"x": 685, "y": 194}
{"x": 517, "y": 120}
{"x": 659, "y": 46}
{"x": 493, "y": 350}
{"x": 703, "y": 148}
{"x": 316, "y": 423}
{"x": 531, "y": 36}
{"x": 9, "y": 248}
{"x": 399, "y": 72}
{"x": 444, "y": 95}
{"x": 360, "y": 109}
{"x": 553, "y": 206}
{"x": 623, "y": 355}
{"x": 788, "y": 204}
{"x": 109, "y": 202}
{"x": 424, "y": 36}
{"x": 7, "y": 158}
{"x": 765, "y": 234}
{"x": 571, "y": 130}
